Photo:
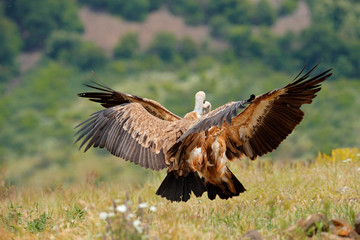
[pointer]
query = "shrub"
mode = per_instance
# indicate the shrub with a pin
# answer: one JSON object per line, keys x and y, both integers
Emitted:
{"x": 191, "y": 10}
{"x": 239, "y": 39}
{"x": 187, "y": 48}
{"x": 70, "y": 48}
{"x": 10, "y": 41}
{"x": 38, "y": 18}
{"x": 264, "y": 14}
{"x": 237, "y": 12}
{"x": 134, "y": 10}
{"x": 288, "y": 7}
{"x": 164, "y": 45}
{"x": 219, "y": 26}
{"x": 127, "y": 46}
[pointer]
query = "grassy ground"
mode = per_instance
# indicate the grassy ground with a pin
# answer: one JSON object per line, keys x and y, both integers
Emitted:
{"x": 278, "y": 195}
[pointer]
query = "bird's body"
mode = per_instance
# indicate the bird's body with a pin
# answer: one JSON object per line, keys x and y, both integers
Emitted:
{"x": 196, "y": 148}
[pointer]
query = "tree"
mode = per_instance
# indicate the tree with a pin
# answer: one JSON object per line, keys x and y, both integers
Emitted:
{"x": 264, "y": 13}
{"x": 189, "y": 9}
{"x": 134, "y": 10}
{"x": 164, "y": 45}
{"x": 10, "y": 41}
{"x": 96, "y": 4}
{"x": 127, "y": 46}
{"x": 38, "y": 18}
{"x": 187, "y": 48}
{"x": 237, "y": 12}
{"x": 319, "y": 43}
{"x": 264, "y": 45}
{"x": 155, "y": 4}
{"x": 10, "y": 45}
{"x": 70, "y": 48}
{"x": 287, "y": 7}
{"x": 240, "y": 39}
{"x": 219, "y": 26}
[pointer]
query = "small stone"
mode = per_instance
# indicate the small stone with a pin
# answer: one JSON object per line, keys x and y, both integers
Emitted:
{"x": 357, "y": 223}
{"x": 340, "y": 227}
{"x": 329, "y": 236}
{"x": 312, "y": 223}
{"x": 343, "y": 229}
{"x": 252, "y": 235}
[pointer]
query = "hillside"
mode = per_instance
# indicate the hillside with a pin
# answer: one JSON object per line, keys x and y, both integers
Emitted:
{"x": 105, "y": 30}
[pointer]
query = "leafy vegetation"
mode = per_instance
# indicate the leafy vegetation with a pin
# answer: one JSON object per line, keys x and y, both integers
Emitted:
{"x": 37, "y": 19}
{"x": 333, "y": 37}
{"x": 70, "y": 48}
{"x": 278, "y": 195}
{"x": 127, "y": 47}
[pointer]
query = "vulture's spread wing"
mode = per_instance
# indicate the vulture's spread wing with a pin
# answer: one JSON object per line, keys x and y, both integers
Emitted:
{"x": 264, "y": 123}
{"x": 132, "y": 133}
{"x": 108, "y": 97}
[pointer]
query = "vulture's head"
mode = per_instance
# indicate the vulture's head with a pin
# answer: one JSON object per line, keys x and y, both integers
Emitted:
{"x": 199, "y": 102}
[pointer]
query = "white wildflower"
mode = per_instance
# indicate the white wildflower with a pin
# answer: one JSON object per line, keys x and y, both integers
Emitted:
{"x": 344, "y": 190}
{"x": 152, "y": 209}
{"x": 359, "y": 169}
{"x": 117, "y": 200}
{"x": 121, "y": 208}
{"x": 347, "y": 160}
{"x": 137, "y": 225}
{"x": 111, "y": 214}
{"x": 131, "y": 215}
{"x": 143, "y": 205}
{"x": 103, "y": 215}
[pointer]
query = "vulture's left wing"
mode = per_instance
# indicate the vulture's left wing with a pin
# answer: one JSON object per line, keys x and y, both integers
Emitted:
{"x": 108, "y": 97}
{"x": 132, "y": 133}
{"x": 265, "y": 122}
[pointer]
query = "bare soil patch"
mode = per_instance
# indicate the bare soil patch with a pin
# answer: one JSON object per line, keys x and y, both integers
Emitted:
{"x": 295, "y": 22}
{"x": 105, "y": 30}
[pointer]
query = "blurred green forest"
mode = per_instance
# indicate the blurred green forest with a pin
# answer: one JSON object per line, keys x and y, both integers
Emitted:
{"x": 39, "y": 107}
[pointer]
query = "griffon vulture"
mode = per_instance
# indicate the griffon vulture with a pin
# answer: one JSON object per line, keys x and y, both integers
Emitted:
{"x": 196, "y": 148}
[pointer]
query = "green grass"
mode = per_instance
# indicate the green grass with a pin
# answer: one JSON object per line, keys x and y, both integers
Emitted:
{"x": 278, "y": 195}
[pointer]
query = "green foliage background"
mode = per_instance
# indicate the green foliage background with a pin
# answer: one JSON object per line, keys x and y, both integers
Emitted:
{"x": 38, "y": 115}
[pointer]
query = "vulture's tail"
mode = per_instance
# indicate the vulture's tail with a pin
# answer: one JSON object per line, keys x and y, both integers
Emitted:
{"x": 224, "y": 188}
{"x": 179, "y": 188}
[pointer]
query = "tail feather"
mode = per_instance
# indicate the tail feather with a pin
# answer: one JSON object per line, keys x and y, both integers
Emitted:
{"x": 223, "y": 190}
{"x": 179, "y": 188}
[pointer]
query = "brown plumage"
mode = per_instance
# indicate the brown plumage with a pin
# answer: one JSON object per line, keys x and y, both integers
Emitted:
{"x": 142, "y": 131}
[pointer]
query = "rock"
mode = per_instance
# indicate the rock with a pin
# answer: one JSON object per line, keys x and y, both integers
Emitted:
{"x": 252, "y": 235}
{"x": 311, "y": 224}
{"x": 340, "y": 227}
{"x": 343, "y": 229}
{"x": 329, "y": 236}
{"x": 357, "y": 223}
